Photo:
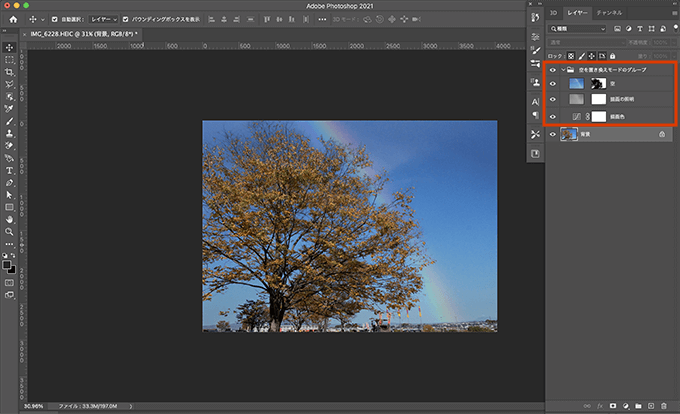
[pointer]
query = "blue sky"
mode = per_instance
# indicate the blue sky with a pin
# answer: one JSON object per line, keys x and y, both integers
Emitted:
{"x": 453, "y": 167}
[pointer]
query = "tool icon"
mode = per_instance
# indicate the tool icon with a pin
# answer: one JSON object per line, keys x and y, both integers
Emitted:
{"x": 9, "y": 158}
{"x": 9, "y": 231}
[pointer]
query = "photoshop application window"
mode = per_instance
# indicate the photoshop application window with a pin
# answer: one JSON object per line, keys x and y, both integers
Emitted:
{"x": 387, "y": 206}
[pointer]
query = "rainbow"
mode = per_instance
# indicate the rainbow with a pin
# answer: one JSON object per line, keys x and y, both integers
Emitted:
{"x": 437, "y": 300}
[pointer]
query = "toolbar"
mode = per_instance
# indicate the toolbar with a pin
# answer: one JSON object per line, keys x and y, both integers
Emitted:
{"x": 342, "y": 18}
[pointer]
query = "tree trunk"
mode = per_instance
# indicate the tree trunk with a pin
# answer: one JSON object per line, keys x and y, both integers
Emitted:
{"x": 276, "y": 311}
{"x": 275, "y": 326}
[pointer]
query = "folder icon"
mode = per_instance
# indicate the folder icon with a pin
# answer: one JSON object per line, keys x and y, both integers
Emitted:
{"x": 599, "y": 116}
{"x": 598, "y": 99}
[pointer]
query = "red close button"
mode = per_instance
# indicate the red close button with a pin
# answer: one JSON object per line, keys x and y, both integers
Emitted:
{"x": 7, "y": 5}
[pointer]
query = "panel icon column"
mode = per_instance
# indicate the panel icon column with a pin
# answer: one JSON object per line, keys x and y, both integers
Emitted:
{"x": 535, "y": 54}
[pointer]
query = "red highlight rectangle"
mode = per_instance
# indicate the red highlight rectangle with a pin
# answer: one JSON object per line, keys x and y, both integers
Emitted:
{"x": 601, "y": 62}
